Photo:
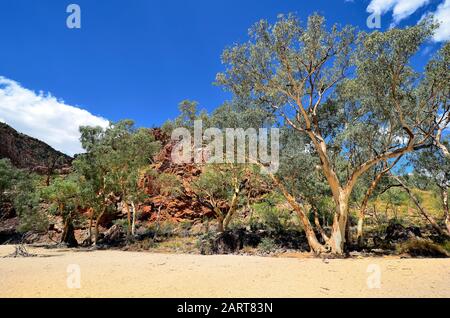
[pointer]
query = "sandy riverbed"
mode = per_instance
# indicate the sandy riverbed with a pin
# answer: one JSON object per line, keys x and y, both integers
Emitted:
{"x": 132, "y": 274}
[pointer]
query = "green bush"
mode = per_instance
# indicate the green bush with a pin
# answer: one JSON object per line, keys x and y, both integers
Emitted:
{"x": 184, "y": 227}
{"x": 205, "y": 243}
{"x": 122, "y": 222}
{"x": 422, "y": 248}
{"x": 146, "y": 244}
{"x": 162, "y": 229}
{"x": 446, "y": 246}
{"x": 269, "y": 217}
{"x": 267, "y": 245}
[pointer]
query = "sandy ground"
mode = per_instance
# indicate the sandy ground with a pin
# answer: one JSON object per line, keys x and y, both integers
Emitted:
{"x": 132, "y": 274}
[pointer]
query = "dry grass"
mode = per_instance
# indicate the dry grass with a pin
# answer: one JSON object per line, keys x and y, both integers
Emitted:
{"x": 405, "y": 210}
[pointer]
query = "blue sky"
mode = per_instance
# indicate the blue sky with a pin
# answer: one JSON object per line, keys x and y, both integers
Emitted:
{"x": 139, "y": 58}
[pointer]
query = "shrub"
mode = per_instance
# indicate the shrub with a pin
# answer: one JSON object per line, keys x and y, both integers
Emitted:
{"x": 122, "y": 222}
{"x": 205, "y": 243}
{"x": 164, "y": 229}
{"x": 423, "y": 248}
{"x": 184, "y": 227}
{"x": 146, "y": 244}
{"x": 267, "y": 245}
{"x": 446, "y": 246}
{"x": 271, "y": 218}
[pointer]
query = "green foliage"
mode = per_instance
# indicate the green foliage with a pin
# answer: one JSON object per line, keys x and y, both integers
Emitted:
{"x": 121, "y": 222}
{"x": 269, "y": 216}
{"x": 27, "y": 203}
{"x": 116, "y": 159}
{"x": 348, "y": 100}
{"x": 422, "y": 248}
{"x": 162, "y": 229}
{"x": 8, "y": 176}
{"x": 348, "y": 103}
{"x": 215, "y": 182}
{"x": 205, "y": 243}
{"x": 22, "y": 188}
{"x": 166, "y": 184}
{"x": 395, "y": 196}
{"x": 325, "y": 207}
{"x": 267, "y": 245}
{"x": 189, "y": 113}
{"x": 446, "y": 246}
{"x": 64, "y": 194}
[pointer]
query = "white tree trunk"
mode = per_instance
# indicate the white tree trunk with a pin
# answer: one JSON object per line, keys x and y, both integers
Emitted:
{"x": 133, "y": 225}
{"x": 446, "y": 208}
{"x": 337, "y": 240}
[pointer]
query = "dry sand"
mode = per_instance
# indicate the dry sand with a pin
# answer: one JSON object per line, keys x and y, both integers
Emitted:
{"x": 133, "y": 274}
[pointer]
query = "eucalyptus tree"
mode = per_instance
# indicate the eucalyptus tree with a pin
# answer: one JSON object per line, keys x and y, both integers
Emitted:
{"x": 240, "y": 114}
{"x": 375, "y": 176}
{"x": 312, "y": 76}
{"x": 93, "y": 167}
{"x": 189, "y": 113}
{"x": 438, "y": 74}
{"x": 21, "y": 188}
{"x": 64, "y": 194}
{"x": 220, "y": 188}
{"x": 129, "y": 159}
{"x": 300, "y": 172}
{"x": 112, "y": 166}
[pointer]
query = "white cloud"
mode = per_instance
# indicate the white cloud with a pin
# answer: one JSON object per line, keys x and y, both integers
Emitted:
{"x": 442, "y": 15}
{"x": 44, "y": 117}
{"x": 380, "y": 6}
{"x": 402, "y": 9}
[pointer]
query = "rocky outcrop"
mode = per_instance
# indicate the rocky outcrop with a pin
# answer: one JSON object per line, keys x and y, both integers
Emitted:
{"x": 183, "y": 206}
{"x": 26, "y": 152}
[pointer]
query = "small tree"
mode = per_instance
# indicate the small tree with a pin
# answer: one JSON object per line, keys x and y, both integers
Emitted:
{"x": 131, "y": 155}
{"x": 22, "y": 189}
{"x": 65, "y": 196}
{"x": 112, "y": 167}
{"x": 8, "y": 174}
{"x": 219, "y": 188}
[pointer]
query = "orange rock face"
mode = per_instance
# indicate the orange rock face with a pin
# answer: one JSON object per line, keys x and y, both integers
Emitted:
{"x": 174, "y": 208}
